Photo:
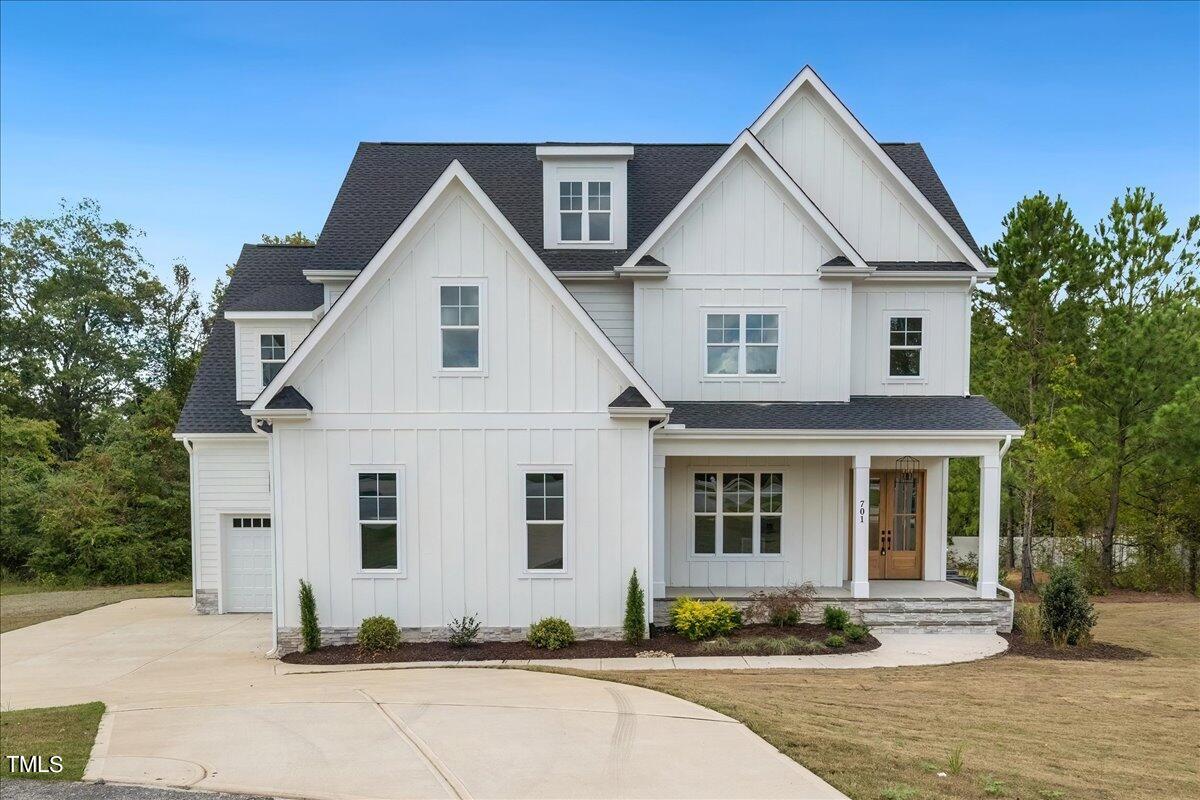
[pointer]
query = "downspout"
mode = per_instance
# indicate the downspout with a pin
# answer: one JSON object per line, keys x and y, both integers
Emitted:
{"x": 1000, "y": 586}
{"x": 276, "y": 527}
{"x": 648, "y": 581}
{"x": 967, "y": 340}
{"x": 1004, "y": 447}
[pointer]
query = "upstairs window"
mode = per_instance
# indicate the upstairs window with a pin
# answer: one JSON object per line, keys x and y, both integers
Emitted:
{"x": 460, "y": 327}
{"x": 743, "y": 343}
{"x": 272, "y": 353}
{"x": 378, "y": 520}
{"x": 737, "y": 513}
{"x": 905, "y": 337}
{"x": 585, "y": 211}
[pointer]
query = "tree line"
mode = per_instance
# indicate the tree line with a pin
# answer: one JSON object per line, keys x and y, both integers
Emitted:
{"x": 1089, "y": 340}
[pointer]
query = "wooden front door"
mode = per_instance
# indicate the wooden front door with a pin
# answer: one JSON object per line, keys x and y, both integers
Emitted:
{"x": 896, "y": 524}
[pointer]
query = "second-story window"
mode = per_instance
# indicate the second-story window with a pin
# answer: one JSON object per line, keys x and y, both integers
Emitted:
{"x": 904, "y": 347}
{"x": 460, "y": 327}
{"x": 272, "y": 353}
{"x": 742, "y": 343}
{"x": 585, "y": 211}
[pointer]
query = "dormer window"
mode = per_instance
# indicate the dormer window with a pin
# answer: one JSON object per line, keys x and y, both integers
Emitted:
{"x": 577, "y": 222}
{"x": 272, "y": 352}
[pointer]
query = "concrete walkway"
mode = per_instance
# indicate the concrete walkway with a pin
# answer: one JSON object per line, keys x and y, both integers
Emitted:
{"x": 193, "y": 702}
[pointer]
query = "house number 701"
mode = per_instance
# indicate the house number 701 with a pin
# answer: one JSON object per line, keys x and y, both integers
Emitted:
{"x": 862, "y": 508}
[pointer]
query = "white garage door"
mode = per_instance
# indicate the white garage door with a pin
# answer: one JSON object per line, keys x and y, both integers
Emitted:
{"x": 247, "y": 564}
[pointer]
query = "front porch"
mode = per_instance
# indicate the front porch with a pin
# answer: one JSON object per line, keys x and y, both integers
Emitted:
{"x": 898, "y": 606}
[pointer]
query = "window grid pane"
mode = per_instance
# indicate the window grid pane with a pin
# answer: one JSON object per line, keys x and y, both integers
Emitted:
{"x": 730, "y": 508}
{"x": 904, "y": 343}
{"x": 545, "y": 513}
{"x": 570, "y": 196}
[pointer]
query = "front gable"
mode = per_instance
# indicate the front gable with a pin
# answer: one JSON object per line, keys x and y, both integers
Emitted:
{"x": 378, "y": 350}
{"x": 854, "y": 182}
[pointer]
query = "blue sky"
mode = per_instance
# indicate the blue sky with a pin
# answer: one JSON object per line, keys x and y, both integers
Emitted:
{"x": 208, "y": 125}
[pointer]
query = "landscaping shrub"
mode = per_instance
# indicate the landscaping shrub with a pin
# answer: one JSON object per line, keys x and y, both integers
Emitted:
{"x": 855, "y": 633}
{"x": 463, "y": 631}
{"x": 635, "y": 611}
{"x": 835, "y": 640}
{"x": 1067, "y": 614}
{"x": 378, "y": 633}
{"x": 551, "y": 633}
{"x": 836, "y": 617}
{"x": 1027, "y": 618}
{"x": 310, "y": 631}
{"x": 781, "y": 607}
{"x": 694, "y": 620}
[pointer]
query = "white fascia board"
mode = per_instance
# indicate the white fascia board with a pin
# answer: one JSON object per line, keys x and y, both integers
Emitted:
{"x": 455, "y": 172}
{"x": 643, "y": 272}
{"x": 584, "y": 151}
{"x": 681, "y": 432}
{"x": 639, "y": 412}
{"x": 930, "y": 277}
{"x": 277, "y": 413}
{"x": 808, "y": 76}
{"x": 251, "y": 315}
{"x": 745, "y": 141}
{"x": 180, "y": 437}
{"x": 330, "y": 275}
{"x": 586, "y": 274}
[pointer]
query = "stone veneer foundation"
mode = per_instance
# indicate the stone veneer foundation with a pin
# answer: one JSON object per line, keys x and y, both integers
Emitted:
{"x": 206, "y": 601}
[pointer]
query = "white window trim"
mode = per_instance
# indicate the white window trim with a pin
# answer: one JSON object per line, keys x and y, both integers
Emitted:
{"x": 888, "y": 314}
{"x": 261, "y": 360}
{"x": 742, "y": 376}
{"x": 692, "y": 555}
{"x": 460, "y": 372}
{"x": 401, "y": 570}
{"x": 523, "y": 571}
{"x": 584, "y": 212}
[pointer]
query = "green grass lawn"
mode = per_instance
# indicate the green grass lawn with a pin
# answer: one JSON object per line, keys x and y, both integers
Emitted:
{"x": 23, "y": 604}
{"x": 64, "y": 731}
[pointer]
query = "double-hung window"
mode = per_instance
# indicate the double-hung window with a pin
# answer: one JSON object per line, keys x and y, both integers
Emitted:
{"x": 460, "y": 327}
{"x": 585, "y": 211}
{"x": 905, "y": 340}
{"x": 272, "y": 351}
{"x": 741, "y": 344}
{"x": 379, "y": 520}
{"x": 545, "y": 521}
{"x": 737, "y": 513}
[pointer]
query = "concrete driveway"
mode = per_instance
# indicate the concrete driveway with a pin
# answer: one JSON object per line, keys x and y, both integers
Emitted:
{"x": 194, "y": 702}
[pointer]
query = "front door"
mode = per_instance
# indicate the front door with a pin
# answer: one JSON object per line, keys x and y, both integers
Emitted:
{"x": 896, "y": 524}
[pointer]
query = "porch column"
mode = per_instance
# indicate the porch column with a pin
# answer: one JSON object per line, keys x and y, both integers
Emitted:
{"x": 989, "y": 524}
{"x": 659, "y": 516}
{"x": 859, "y": 586}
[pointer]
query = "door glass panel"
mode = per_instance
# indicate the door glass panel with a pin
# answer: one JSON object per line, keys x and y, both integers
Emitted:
{"x": 873, "y": 516}
{"x": 905, "y": 524}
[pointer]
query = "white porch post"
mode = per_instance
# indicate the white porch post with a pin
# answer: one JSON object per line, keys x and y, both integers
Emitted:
{"x": 989, "y": 524}
{"x": 859, "y": 585}
{"x": 659, "y": 516}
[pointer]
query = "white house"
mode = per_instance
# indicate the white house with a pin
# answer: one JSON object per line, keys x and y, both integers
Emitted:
{"x": 507, "y": 375}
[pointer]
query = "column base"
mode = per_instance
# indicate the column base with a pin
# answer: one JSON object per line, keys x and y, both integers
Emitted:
{"x": 862, "y": 589}
{"x": 660, "y": 590}
{"x": 987, "y": 590}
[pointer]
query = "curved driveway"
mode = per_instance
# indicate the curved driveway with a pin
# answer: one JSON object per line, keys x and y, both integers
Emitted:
{"x": 193, "y": 702}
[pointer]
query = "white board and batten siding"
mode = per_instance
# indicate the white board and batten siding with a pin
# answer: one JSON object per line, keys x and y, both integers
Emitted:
{"x": 249, "y": 353}
{"x": 850, "y": 185}
{"x": 231, "y": 477}
{"x": 461, "y": 444}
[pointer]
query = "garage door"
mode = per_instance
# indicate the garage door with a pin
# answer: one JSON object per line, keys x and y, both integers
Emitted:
{"x": 248, "y": 564}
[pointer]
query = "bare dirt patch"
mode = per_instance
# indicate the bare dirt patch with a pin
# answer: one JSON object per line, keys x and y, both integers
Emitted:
{"x": 748, "y": 640}
{"x": 1019, "y": 645}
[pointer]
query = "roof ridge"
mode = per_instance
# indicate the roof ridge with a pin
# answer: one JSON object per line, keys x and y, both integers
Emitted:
{"x": 272, "y": 244}
{"x": 539, "y": 144}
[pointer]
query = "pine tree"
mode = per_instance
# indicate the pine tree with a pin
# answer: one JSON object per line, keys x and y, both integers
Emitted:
{"x": 635, "y": 611}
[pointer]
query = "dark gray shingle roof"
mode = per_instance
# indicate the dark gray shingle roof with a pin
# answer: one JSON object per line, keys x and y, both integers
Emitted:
{"x": 289, "y": 397}
{"x": 911, "y": 159}
{"x": 212, "y": 405}
{"x": 906, "y": 266}
{"x": 385, "y": 181}
{"x": 861, "y": 413}
{"x": 630, "y": 398}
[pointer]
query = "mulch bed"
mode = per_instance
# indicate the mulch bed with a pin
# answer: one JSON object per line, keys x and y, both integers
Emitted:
{"x": 1018, "y": 645}
{"x": 664, "y": 640}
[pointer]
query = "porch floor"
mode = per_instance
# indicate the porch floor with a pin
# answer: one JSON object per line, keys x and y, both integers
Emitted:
{"x": 880, "y": 590}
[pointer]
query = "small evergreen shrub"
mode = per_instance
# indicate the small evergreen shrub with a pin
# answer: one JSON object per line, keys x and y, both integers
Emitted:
{"x": 551, "y": 633}
{"x": 635, "y": 611}
{"x": 378, "y": 633}
{"x": 1067, "y": 614}
{"x": 463, "y": 631}
{"x": 835, "y": 641}
{"x": 836, "y": 617}
{"x": 855, "y": 633}
{"x": 694, "y": 620}
{"x": 781, "y": 607}
{"x": 310, "y": 630}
